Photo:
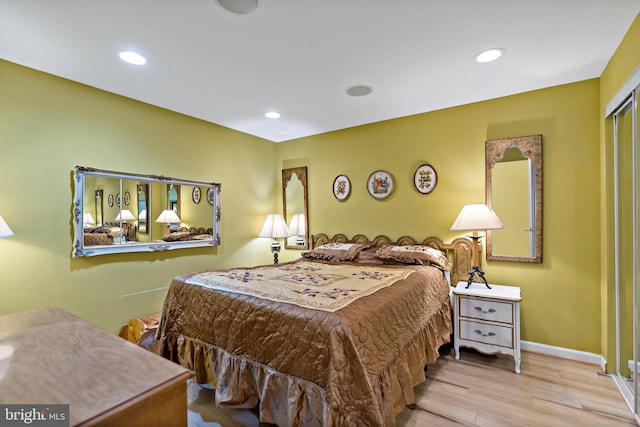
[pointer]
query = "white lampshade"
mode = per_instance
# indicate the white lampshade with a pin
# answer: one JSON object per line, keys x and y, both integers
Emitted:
{"x": 297, "y": 226}
{"x": 142, "y": 215}
{"x": 274, "y": 227}
{"x": 477, "y": 217}
{"x": 125, "y": 215}
{"x": 5, "y": 231}
{"x": 168, "y": 216}
{"x": 87, "y": 219}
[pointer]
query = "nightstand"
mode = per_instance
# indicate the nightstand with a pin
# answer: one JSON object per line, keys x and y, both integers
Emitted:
{"x": 487, "y": 319}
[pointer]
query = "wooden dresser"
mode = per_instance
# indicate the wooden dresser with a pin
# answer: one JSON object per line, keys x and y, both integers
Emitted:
{"x": 58, "y": 358}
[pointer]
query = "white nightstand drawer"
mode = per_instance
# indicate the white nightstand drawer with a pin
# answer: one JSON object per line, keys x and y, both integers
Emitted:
{"x": 488, "y": 334}
{"x": 483, "y": 309}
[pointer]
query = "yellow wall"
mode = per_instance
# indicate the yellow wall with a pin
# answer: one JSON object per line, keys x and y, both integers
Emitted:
{"x": 560, "y": 296}
{"x": 48, "y": 126}
{"x": 621, "y": 66}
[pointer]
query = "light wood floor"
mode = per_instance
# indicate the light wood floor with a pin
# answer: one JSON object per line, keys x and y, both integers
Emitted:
{"x": 481, "y": 390}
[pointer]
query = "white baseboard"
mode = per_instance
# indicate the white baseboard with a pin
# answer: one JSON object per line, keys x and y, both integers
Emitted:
{"x": 567, "y": 353}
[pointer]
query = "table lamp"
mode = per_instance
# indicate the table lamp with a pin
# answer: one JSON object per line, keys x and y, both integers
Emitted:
{"x": 168, "y": 217}
{"x": 473, "y": 218}
{"x": 87, "y": 219}
{"x": 297, "y": 227}
{"x": 274, "y": 227}
{"x": 5, "y": 231}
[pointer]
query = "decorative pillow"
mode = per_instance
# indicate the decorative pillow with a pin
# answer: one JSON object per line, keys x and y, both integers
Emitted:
{"x": 369, "y": 256}
{"x": 336, "y": 251}
{"x": 415, "y": 254}
{"x": 178, "y": 235}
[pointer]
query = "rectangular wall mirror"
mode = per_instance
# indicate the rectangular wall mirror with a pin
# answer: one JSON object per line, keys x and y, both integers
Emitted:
{"x": 295, "y": 212}
{"x": 116, "y": 212}
{"x": 513, "y": 189}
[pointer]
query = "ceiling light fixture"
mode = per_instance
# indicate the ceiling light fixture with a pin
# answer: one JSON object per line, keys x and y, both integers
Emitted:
{"x": 272, "y": 115}
{"x": 490, "y": 55}
{"x": 359, "y": 90}
{"x": 132, "y": 57}
{"x": 240, "y": 7}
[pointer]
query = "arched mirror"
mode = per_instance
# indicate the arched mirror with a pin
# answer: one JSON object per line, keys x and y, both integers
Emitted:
{"x": 295, "y": 212}
{"x": 99, "y": 207}
{"x": 513, "y": 172}
{"x": 143, "y": 199}
{"x": 173, "y": 204}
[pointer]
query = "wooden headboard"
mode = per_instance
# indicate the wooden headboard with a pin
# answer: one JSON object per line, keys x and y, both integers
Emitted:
{"x": 459, "y": 250}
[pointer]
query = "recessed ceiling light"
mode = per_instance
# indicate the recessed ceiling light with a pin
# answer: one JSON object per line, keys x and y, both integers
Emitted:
{"x": 272, "y": 115}
{"x": 240, "y": 7}
{"x": 359, "y": 90}
{"x": 132, "y": 57}
{"x": 490, "y": 55}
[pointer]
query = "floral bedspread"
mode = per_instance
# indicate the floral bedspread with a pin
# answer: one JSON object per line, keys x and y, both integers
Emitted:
{"x": 306, "y": 284}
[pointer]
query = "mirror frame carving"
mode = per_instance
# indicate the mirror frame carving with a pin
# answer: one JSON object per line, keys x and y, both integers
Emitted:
{"x": 79, "y": 249}
{"x": 301, "y": 173}
{"x": 530, "y": 147}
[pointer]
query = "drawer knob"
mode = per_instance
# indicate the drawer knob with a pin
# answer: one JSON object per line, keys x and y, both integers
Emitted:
{"x": 491, "y": 310}
{"x": 479, "y": 332}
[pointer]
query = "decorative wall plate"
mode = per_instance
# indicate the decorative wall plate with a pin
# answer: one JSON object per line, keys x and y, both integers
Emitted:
{"x": 210, "y": 196}
{"x": 127, "y": 197}
{"x": 380, "y": 184}
{"x": 341, "y": 187}
{"x": 195, "y": 195}
{"x": 110, "y": 200}
{"x": 425, "y": 179}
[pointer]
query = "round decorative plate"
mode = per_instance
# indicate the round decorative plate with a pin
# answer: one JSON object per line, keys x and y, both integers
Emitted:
{"x": 341, "y": 187}
{"x": 380, "y": 184}
{"x": 195, "y": 195}
{"x": 425, "y": 179}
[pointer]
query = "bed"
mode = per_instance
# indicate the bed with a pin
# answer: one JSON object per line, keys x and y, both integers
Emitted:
{"x": 338, "y": 337}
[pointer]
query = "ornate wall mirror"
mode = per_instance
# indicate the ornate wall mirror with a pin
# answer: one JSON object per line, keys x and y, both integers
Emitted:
{"x": 295, "y": 211}
{"x": 513, "y": 174}
{"x": 137, "y": 226}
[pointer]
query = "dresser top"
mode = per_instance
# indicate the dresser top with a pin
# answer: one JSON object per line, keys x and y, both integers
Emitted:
{"x": 49, "y": 356}
{"x": 511, "y": 293}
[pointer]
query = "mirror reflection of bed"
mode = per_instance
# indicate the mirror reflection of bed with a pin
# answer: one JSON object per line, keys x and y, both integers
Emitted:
{"x": 339, "y": 336}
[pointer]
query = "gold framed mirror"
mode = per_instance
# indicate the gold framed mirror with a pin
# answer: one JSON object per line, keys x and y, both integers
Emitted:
{"x": 513, "y": 189}
{"x": 294, "y": 207}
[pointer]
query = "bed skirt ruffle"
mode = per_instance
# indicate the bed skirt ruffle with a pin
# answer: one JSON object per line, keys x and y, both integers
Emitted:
{"x": 290, "y": 401}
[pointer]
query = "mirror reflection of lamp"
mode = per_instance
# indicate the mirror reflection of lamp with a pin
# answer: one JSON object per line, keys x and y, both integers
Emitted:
{"x": 274, "y": 227}
{"x": 473, "y": 218}
{"x": 87, "y": 220}
{"x": 5, "y": 231}
{"x": 123, "y": 216}
{"x": 297, "y": 227}
{"x": 168, "y": 217}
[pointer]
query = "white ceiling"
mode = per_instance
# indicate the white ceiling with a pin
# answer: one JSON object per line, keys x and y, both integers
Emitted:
{"x": 297, "y": 57}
